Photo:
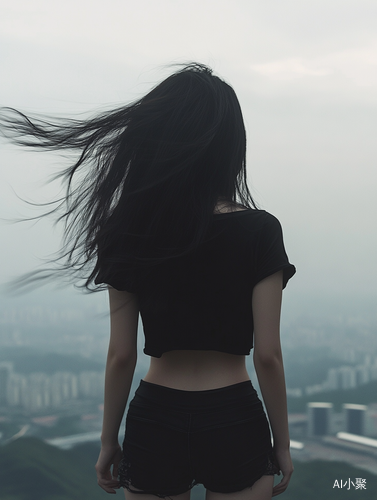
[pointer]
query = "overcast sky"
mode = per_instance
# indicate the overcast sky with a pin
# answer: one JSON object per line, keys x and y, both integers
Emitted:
{"x": 306, "y": 76}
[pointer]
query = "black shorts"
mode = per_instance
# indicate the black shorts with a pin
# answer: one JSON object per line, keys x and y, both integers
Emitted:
{"x": 176, "y": 439}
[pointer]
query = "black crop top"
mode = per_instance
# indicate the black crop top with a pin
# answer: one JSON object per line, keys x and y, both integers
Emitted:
{"x": 202, "y": 301}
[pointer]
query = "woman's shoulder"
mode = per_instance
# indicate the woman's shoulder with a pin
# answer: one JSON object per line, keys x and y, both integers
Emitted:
{"x": 243, "y": 226}
{"x": 251, "y": 215}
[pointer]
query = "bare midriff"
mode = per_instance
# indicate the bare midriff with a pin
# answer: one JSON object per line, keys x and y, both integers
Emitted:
{"x": 197, "y": 370}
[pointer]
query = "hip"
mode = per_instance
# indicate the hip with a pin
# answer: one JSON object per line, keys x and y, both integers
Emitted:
{"x": 192, "y": 411}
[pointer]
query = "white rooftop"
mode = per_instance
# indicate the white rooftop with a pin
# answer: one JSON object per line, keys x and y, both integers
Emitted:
{"x": 320, "y": 405}
{"x": 349, "y": 406}
{"x": 354, "y": 438}
{"x": 296, "y": 445}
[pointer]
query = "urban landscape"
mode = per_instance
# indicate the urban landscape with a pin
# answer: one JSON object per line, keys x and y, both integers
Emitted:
{"x": 54, "y": 393}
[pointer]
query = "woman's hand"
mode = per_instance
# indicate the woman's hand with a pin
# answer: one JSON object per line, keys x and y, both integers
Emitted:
{"x": 109, "y": 456}
{"x": 283, "y": 458}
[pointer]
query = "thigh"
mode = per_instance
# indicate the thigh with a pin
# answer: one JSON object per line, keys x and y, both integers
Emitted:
{"x": 261, "y": 490}
{"x": 137, "y": 496}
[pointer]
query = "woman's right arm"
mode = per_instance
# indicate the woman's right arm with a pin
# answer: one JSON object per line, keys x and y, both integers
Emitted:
{"x": 268, "y": 362}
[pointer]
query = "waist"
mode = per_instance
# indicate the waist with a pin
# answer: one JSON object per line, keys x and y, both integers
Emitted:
{"x": 242, "y": 394}
{"x": 197, "y": 370}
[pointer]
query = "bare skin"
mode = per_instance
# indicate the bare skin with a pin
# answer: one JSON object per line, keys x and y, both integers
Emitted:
{"x": 197, "y": 370}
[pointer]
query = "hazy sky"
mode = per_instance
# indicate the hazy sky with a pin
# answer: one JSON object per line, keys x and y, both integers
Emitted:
{"x": 306, "y": 76}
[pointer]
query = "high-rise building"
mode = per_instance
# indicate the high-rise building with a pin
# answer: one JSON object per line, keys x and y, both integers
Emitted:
{"x": 362, "y": 374}
{"x": 5, "y": 372}
{"x": 91, "y": 384}
{"x": 371, "y": 420}
{"x": 348, "y": 377}
{"x": 333, "y": 379}
{"x": 319, "y": 419}
{"x": 39, "y": 391}
{"x": 373, "y": 370}
{"x": 354, "y": 418}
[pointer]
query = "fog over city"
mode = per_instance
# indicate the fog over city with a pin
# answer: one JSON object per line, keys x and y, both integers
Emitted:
{"x": 306, "y": 77}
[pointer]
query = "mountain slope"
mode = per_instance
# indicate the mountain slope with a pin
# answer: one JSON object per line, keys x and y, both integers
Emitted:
{"x": 32, "y": 470}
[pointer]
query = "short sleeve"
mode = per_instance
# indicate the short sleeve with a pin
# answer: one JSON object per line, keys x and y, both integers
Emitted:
{"x": 114, "y": 270}
{"x": 271, "y": 254}
{"x": 113, "y": 279}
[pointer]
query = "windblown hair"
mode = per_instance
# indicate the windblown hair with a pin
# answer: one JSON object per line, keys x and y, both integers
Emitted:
{"x": 150, "y": 172}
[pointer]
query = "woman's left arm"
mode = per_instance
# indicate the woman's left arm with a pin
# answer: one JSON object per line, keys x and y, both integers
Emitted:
{"x": 120, "y": 367}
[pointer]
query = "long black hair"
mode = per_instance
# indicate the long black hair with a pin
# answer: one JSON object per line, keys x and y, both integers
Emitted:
{"x": 151, "y": 172}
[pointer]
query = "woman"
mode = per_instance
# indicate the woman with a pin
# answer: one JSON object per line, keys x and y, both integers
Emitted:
{"x": 165, "y": 214}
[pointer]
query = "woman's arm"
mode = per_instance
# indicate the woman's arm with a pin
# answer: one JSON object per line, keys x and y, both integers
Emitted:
{"x": 268, "y": 362}
{"x": 120, "y": 367}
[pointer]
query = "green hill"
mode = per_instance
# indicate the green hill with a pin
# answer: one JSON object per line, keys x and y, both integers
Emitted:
{"x": 33, "y": 470}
